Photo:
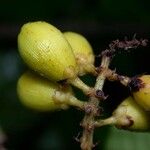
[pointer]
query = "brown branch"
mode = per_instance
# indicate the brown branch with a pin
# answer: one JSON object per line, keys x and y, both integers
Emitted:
{"x": 111, "y": 75}
{"x": 117, "y": 46}
{"x": 92, "y": 109}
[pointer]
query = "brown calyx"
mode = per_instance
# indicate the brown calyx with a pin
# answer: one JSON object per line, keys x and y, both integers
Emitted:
{"x": 125, "y": 123}
{"x": 136, "y": 84}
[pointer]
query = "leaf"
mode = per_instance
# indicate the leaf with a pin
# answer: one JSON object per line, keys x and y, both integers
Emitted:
{"x": 126, "y": 140}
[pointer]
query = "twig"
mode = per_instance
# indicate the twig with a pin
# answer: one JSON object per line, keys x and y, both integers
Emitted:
{"x": 88, "y": 121}
{"x": 117, "y": 45}
{"x": 111, "y": 75}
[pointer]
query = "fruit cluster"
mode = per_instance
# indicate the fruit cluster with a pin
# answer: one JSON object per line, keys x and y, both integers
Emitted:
{"x": 56, "y": 60}
{"x": 52, "y": 56}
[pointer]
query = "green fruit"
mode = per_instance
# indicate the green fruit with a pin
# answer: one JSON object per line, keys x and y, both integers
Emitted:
{"x": 37, "y": 92}
{"x": 45, "y": 50}
{"x": 142, "y": 94}
{"x": 82, "y": 51}
{"x": 130, "y": 116}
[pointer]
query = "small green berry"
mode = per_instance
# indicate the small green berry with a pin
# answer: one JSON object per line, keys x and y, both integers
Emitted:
{"x": 130, "y": 116}
{"x": 83, "y": 52}
{"x": 45, "y": 50}
{"x": 37, "y": 92}
{"x": 142, "y": 93}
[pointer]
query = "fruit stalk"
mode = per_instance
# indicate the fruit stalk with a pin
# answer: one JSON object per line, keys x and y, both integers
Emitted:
{"x": 68, "y": 99}
{"x": 108, "y": 121}
{"x": 77, "y": 82}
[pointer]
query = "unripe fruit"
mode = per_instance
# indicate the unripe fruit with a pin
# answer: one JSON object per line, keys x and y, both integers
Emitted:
{"x": 141, "y": 91}
{"x": 82, "y": 50}
{"x": 130, "y": 116}
{"x": 45, "y": 50}
{"x": 37, "y": 92}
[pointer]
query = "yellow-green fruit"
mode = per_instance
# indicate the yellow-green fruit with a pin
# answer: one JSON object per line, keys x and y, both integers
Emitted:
{"x": 130, "y": 116}
{"x": 37, "y": 92}
{"x": 142, "y": 95}
{"x": 45, "y": 50}
{"x": 82, "y": 50}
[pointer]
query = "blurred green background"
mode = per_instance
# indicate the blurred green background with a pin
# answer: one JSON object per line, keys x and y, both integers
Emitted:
{"x": 101, "y": 21}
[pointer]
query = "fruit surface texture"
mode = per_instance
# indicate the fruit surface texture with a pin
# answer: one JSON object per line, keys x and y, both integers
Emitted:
{"x": 45, "y": 50}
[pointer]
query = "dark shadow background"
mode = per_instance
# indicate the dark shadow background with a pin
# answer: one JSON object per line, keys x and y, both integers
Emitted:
{"x": 100, "y": 21}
